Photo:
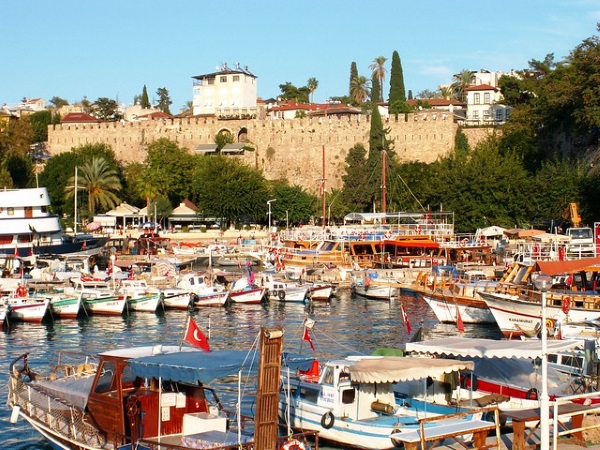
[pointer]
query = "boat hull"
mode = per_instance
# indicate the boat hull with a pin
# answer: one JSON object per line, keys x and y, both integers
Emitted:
{"x": 248, "y": 296}
{"x": 107, "y": 306}
{"x": 65, "y": 307}
{"x": 28, "y": 309}
{"x": 470, "y": 310}
{"x": 144, "y": 303}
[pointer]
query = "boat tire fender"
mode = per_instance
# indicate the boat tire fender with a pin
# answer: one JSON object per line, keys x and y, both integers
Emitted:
{"x": 281, "y": 295}
{"x": 293, "y": 444}
{"x": 466, "y": 382}
{"x": 532, "y": 394}
{"x": 327, "y": 420}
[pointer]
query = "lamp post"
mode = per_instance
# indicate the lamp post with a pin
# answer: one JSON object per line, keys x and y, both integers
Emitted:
{"x": 543, "y": 282}
{"x": 269, "y": 205}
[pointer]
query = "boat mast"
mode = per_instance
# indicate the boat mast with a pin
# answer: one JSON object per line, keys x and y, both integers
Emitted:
{"x": 324, "y": 193}
{"x": 383, "y": 185}
{"x": 75, "y": 205}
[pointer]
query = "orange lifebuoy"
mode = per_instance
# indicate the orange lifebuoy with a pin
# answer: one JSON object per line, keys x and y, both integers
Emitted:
{"x": 21, "y": 291}
{"x": 566, "y": 305}
{"x": 293, "y": 444}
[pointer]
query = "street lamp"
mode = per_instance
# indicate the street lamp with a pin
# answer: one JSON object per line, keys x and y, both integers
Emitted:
{"x": 269, "y": 205}
{"x": 543, "y": 283}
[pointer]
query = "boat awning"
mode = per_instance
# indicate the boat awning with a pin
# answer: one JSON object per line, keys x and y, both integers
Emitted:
{"x": 488, "y": 348}
{"x": 391, "y": 369}
{"x": 190, "y": 367}
{"x": 559, "y": 267}
{"x": 419, "y": 243}
{"x": 233, "y": 149}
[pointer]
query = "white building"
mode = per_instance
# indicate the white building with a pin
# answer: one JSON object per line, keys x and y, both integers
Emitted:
{"x": 228, "y": 93}
{"x": 483, "y": 107}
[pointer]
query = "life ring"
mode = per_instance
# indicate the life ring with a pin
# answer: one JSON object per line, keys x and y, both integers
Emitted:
{"x": 566, "y": 305}
{"x": 532, "y": 394}
{"x": 21, "y": 291}
{"x": 469, "y": 382}
{"x": 278, "y": 267}
{"x": 281, "y": 295}
{"x": 293, "y": 444}
{"x": 327, "y": 420}
{"x": 549, "y": 324}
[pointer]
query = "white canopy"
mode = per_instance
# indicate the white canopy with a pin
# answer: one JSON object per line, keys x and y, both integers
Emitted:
{"x": 488, "y": 348}
{"x": 391, "y": 369}
{"x": 491, "y": 231}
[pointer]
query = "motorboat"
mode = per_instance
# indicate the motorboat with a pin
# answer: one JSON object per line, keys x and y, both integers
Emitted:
{"x": 205, "y": 291}
{"x": 370, "y": 285}
{"x": 139, "y": 296}
{"x": 282, "y": 290}
{"x": 352, "y": 401}
{"x": 98, "y": 296}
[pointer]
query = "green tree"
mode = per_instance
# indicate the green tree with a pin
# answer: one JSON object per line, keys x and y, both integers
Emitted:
{"x": 353, "y": 75}
{"x": 58, "y": 102}
{"x": 226, "y": 188}
{"x": 397, "y": 89}
{"x": 354, "y": 195}
{"x": 39, "y": 123}
{"x": 144, "y": 102}
{"x": 312, "y": 84}
{"x": 160, "y": 209}
{"x": 360, "y": 89}
{"x": 378, "y": 143}
{"x": 169, "y": 169}
{"x": 461, "y": 142}
{"x": 138, "y": 185}
{"x": 378, "y": 71}
{"x": 106, "y": 109}
{"x": 375, "y": 89}
{"x": 293, "y": 203}
{"x": 99, "y": 182}
{"x": 222, "y": 139}
{"x": 164, "y": 100}
{"x": 20, "y": 168}
{"x": 462, "y": 81}
{"x": 292, "y": 93}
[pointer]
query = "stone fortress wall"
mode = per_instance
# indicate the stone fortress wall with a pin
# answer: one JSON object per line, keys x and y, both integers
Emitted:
{"x": 291, "y": 149}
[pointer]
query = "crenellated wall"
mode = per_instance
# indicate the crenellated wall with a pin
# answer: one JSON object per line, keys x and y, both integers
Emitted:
{"x": 289, "y": 149}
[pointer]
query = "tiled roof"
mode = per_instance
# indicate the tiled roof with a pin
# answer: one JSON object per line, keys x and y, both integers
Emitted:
{"x": 481, "y": 87}
{"x": 79, "y": 117}
{"x": 436, "y": 102}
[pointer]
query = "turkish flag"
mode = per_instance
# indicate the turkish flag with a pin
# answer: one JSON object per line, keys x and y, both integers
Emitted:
{"x": 195, "y": 336}
{"x": 307, "y": 338}
{"x": 405, "y": 318}
{"x": 459, "y": 322}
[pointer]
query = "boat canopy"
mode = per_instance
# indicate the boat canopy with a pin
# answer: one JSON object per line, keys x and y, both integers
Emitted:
{"x": 489, "y": 348}
{"x": 392, "y": 369}
{"x": 560, "y": 267}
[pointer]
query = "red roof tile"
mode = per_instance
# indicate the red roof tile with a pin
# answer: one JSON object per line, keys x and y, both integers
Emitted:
{"x": 79, "y": 117}
{"x": 481, "y": 87}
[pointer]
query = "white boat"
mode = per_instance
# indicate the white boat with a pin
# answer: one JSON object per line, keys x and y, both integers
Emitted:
{"x": 4, "y": 314}
{"x": 206, "y": 291}
{"x": 284, "y": 291}
{"x": 352, "y": 401}
{"x": 176, "y": 298}
{"x": 449, "y": 307}
{"x": 371, "y": 285}
{"x": 139, "y": 296}
{"x": 244, "y": 292}
{"x": 27, "y": 308}
{"x": 517, "y": 317}
{"x": 65, "y": 306}
{"x": 320, "y": 291}
{"x": 99, "y": 297}
{"x": 29, "y": 229}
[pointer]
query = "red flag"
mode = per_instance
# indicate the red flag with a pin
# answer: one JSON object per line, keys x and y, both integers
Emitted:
{"x": 405, "y": 317}
{"x": 459, "y": 322}
{"x": 195, "y": 336}
{"x": 307, "y": 338}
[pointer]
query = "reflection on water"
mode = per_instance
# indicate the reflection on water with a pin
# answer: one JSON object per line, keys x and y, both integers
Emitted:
{"x": 345, "y": 325}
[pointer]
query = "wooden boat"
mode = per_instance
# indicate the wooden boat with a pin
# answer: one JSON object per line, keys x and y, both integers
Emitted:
{"x": 65, "y": 306}
{"x": 99, "y": 297}
{"x": 245, "y": 292}
{"x": 448, "y": 307}
{"x": 139, "y": 296}
{"x": 282, "y": 290}
{"x": 25, "y": 308}
{"x": 319, "y": 291}
{"x": 146, "y": 397}
{"x": 205, "y": 290}
{"x": 370, "y": 285}
{"x": 352, "y": 401}
{"x": 176, "y": 298}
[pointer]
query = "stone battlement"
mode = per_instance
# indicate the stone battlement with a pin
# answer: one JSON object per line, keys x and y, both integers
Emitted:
{"x": 291, "y": 149}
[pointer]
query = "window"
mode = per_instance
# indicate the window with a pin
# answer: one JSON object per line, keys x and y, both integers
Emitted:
{"x": 236, "y": 78}
{"x": 476, "y": 115}
{"x": 10, "y": 211}
{"x": 499, "y": 114}
{"x": 486, "y": 98}
{"x": 105, "y": 380}
{"x": 476, "y": 98}
{"x": 486, "y": 115}
{"x": 210, "y": 81}
{"x": 507, "y": 114}
{"x": 223, "y": 79}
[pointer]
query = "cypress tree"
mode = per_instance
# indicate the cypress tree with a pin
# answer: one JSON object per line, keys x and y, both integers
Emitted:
{"x": 145, "y": 103}
{"x": 375, "y": 89}
{"x": 397, "y": 90}
{"x": 353, "y": 75}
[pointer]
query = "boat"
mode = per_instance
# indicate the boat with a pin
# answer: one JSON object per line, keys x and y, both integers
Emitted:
{"x": 244, "y": 291}
{"x": 205, "y": 291}
{"x": 27, "y": 228}
{"x": 508, "y": 372}
{"x": 352, "y": 401}
{"x": 64, "y": 305}
{"x": 139, "y": 296}
{"x": 24, "y": 307}
{"x": 146, "y": 397}
{"x": 98, "y": 296}
{"x": 449, "y": 308}
{"x": 284, "y": 291}
{"x": 320, "y": 291}
{"x": 371, "y": 285}
{"x": 176, "y": 298}
{"x": 4, "y": 314}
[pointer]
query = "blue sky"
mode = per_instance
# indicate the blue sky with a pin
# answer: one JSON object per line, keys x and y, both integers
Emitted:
{"x": 109, "y": 48}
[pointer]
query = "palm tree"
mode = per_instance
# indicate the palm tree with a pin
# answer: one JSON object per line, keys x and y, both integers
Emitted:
{"x": 379, "y": 71}
{"x": 312, "y": 85}
{"x": 462, "y": 81}
{"x": 99, "y": 181}
{"x": 447, "y": 92}
{"x": 359, "y": 89}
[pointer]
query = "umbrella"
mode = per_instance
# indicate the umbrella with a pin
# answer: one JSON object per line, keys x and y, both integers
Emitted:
{"x": 93, "y": 226}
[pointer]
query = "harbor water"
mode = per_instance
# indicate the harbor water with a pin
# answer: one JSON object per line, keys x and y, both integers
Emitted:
{"x": 344, "y": 325}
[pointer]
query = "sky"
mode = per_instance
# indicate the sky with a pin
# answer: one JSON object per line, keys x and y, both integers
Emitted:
{"x": 76, "y": 49}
